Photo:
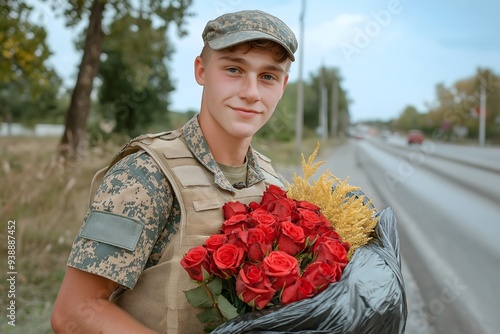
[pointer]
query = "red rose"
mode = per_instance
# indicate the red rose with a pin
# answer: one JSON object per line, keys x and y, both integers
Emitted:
{"x": 258, "y": 244}
{"x": 227, "y": 259}
{"x": 301, "y": 289}
{"x": 236, "y": 221}
{"x": 268, "y": 230}
{"x": 239, "y": 238}
{"x": 263, "y": 217}
{"x": 196, "y": 259}
{"x": 324, "y": 226}
{"x": 332, "y": 250}
{"x": 309, "y": 221}
{"x": 253, "y": 206}
{"x": 309, "y": 229}
{"x": 215, "y": 241}
{"x": 321, "y": 274}
{"x": 234, "y": 208}
{"x": 282, "y": 269}
{"x": 309, "y": 215}
{"x": 321, "y": 225}
{"x": 253, "y": 286}
{"x": 291, "y": 238}
{"x": 266, "y": 222}
{"x": 282, "y": 208}
{"x": 330, "y": 234}
{"x": 271, "y": 194}
{"x": 308, "y": 206}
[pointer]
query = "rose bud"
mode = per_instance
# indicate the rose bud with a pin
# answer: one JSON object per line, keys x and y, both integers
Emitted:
{"x": 308, "y": 206}
{"x": 258, "y": 245}
{"x": 282, "y": 208}
{"x": 266, "y": 222}
{"x": 239, "y": 238}
{"x": 253, "y": 286}
{"x": 321, "y": 274}
{"x": 253, "y": 206}
{"x": 215, "y": 241}
{"x": 332, "y": 250}
{"x": 227, "y": 259}
{"x": 236, "y": 221}
{"x": 271, "y": 194}
{"x": 282, "y": 269}
{"x": 196, "y": 259}
{"x": 263, "y": 217}
{"x": 301, "y": 289}
{"x": 291, "y": 238}
{"x": 309, "y": 229}
{"x": 234, "y": 208}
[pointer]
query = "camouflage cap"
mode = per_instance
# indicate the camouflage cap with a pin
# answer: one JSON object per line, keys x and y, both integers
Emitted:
{"x": 247, "y": 25}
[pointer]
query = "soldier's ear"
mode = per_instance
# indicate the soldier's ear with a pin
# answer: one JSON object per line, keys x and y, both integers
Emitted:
{"x": 285, "y": 81}
{"x": 199, "y": 71}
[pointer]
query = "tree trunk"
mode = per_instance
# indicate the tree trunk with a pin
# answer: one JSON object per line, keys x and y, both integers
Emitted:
{"x": 74, "y": 140}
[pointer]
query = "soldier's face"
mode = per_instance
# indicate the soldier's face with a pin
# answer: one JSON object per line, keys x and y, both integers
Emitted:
{"x": 241, "y": 90}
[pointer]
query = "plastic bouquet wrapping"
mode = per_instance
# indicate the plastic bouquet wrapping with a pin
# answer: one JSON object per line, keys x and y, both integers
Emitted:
{"x": 316, "y": 258}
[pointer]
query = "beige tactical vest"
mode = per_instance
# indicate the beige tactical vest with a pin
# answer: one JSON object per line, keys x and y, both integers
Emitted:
{"x": 158, "y": 299}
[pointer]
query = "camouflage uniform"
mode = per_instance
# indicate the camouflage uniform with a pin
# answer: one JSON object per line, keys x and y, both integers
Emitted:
{"x": 134, "y": 192}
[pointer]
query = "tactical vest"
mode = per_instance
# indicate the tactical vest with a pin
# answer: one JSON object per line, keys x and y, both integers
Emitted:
{"x": 158, "y": 299}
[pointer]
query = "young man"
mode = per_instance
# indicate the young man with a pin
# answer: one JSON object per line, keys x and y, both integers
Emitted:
{"x": 162, "y": 194}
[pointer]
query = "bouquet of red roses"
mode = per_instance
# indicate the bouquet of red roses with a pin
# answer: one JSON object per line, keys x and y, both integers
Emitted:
{"x": 275, "y": 252}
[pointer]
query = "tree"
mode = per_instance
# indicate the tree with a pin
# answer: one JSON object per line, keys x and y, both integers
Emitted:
{"x": 135, "y": 85}
{"x": 73, "y": 141}
{"x": 456, "y": 106}
{"x": 409, "y": 119}
{"x": 330, "y": 76}
{"x": 28, "y": 86}
{"x": 281, "y": 125}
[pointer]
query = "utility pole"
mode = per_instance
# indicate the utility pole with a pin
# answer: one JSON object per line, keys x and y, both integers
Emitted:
{"x": 299, "y": 119}
{"x": 335, "y": 107}
{"x": 323, "y": 106}
{"x": 482, "y": 112}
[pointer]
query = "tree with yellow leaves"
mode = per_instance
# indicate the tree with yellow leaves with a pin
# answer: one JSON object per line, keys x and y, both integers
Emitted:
{"x": 25, "y": 77}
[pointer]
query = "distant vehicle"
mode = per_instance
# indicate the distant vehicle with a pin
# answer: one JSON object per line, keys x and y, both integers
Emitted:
{"x": 415, "y": 137}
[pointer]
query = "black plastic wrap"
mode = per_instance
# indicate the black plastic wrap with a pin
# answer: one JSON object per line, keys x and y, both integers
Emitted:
{"x": 370, "y": 297}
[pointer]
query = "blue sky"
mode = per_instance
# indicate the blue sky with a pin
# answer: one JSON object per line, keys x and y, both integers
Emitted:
{"x": 390, "y": 53}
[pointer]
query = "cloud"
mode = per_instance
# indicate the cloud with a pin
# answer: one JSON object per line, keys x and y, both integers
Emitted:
{"x": 328, "y": 34}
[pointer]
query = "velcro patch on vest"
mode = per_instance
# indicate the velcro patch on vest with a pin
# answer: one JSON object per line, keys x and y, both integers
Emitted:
{"x": 177, "y": 149}
{"x": 190, "y": 176}
{"x": 111, "y": 229}
{"x": 207, "y": 204}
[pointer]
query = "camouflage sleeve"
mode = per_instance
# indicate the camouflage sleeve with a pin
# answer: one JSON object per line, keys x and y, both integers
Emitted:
{"x": 129, "y": 212}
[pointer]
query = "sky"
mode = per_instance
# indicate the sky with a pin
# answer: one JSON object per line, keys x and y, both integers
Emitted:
{"x": 390, "y": 54}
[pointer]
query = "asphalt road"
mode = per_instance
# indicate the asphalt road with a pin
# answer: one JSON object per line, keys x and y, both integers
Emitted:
{"x": 448, "y": 216}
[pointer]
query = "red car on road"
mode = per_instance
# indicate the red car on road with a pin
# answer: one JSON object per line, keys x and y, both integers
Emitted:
{"x": 415, "y": 137}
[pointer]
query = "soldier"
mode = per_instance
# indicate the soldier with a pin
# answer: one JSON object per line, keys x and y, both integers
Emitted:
{"x": 162, "y": 194}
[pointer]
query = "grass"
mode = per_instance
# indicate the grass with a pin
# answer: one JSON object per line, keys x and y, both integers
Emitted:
{"x": 48, "y": 204}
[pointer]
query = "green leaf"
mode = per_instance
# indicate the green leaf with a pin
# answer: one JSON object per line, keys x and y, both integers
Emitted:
{"x": 225, "y": 307}
{"x": 198, "y": 297}
{"x": 206, "y": 274}
{"x": 215, "y": 285}
{"x": 208, "y": 315}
